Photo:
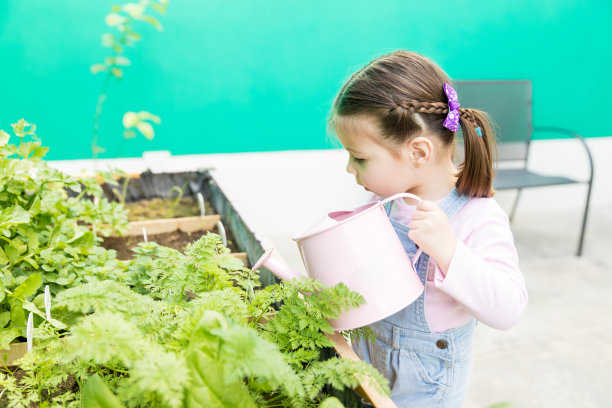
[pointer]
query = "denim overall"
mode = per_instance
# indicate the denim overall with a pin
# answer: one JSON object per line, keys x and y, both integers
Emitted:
{"x": 424, "y": 369}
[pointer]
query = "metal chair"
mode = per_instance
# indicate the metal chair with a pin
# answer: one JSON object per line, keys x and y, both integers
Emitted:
{"x": 509, "y": 103}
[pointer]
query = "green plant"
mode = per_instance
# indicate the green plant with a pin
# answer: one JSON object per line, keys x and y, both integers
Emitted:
{"x": 47, "y": 236}
{"x": 175, "y": 202}
{"x": 122, "y": 19}
{"x": 181, "y": 332}
{"x": 166, "y": 329}
{"x": 121, "y": 196}
{"x": 140, "y": 122}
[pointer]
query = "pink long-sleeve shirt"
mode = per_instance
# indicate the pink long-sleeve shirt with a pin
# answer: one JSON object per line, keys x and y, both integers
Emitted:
{"x": 483, "y": 279}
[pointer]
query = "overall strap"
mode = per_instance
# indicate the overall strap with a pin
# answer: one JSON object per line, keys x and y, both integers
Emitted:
{"x": 413, "y": 316}
{"x": 452, "y": 203}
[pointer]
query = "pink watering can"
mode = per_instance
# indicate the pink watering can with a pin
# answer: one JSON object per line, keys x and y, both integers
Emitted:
{"x": 361, "y": 249}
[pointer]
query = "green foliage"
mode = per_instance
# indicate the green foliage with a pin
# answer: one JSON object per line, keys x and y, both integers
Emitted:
{"x": 300, "y": 325}
{"x": 331, "y": 402}
{"x": 221, "y": 354}
{"x": 97, "y": 395}
{"x": 47, "y": 236}
{"x": 174, "y": 203}
{"x": 123, "y": 194}
{"x": 180, "y": 330}
{"x": 340, "y": 373}
{"x": 166, "y": 329}
{"x": 122, "y": 20}
{"x": 140, "y": 122}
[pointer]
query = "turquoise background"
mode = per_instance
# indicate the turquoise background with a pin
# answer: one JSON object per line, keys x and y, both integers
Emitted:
{"x": 233, "y": 76}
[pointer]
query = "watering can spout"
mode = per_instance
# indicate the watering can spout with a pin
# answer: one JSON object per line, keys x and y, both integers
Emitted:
{"x": 278, "y": 268}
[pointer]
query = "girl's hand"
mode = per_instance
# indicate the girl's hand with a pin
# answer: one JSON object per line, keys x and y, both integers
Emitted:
{"x": 431, "y": 231}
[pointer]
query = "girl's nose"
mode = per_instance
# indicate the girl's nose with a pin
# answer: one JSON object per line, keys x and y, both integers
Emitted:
{"x": 350, "y": 169}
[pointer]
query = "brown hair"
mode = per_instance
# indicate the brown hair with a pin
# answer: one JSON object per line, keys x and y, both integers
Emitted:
{"x": 403, "y": 91}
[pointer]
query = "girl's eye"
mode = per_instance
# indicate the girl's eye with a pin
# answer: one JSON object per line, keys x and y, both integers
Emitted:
{"x": 357, "y": 160}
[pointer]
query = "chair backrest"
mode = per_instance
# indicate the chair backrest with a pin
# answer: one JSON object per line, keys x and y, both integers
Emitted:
{"x": 509, "y": 105}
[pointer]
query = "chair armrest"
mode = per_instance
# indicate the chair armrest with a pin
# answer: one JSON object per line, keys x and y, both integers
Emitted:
{"x": 553, "y": 129}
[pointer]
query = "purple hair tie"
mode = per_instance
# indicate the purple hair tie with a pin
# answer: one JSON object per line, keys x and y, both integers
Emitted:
{"x": 452, "y": 119}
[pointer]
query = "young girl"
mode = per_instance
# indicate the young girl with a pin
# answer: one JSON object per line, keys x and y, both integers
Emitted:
{"x": 397, "y": 118}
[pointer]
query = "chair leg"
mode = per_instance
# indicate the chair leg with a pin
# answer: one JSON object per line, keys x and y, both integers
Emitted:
{"x": 584, "y": 219}
{"x": 516, "y": 200}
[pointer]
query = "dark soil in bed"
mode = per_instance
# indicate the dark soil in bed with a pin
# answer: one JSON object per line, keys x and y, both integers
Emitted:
{"x": 160, "y": 208}
{"x": 176, "y": 240}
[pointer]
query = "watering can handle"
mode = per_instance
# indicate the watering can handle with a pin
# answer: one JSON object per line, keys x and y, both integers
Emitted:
{"x": 419, "y": 199}
{"x": 401, "y": 195}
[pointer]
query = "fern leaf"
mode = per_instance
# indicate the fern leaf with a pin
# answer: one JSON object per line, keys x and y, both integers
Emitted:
{"x": 341, "y": 373}
{"x": 106, "y": 337}
{"x": 245, "y": 354}
{"x": 162, "y": 373}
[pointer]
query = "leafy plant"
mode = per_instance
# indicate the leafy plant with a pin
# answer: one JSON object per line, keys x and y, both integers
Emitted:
{"x": 122, "y": 19}
{"x": 180, "y": 332}
{"x": 47, "y": 237}
{"x": 140, "y": 122}
{"x": 176, "y": 201}
{"x": 121, "y": 196}
{"x": 167, "y": 329}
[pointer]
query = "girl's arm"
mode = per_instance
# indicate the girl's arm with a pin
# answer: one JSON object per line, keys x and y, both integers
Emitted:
{"x": 483, "y": 274}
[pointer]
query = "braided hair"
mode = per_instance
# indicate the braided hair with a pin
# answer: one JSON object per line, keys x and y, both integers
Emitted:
{"x": 404, "y": 92}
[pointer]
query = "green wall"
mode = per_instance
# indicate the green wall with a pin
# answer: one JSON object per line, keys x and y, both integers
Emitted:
{"x": 245, "y": 75}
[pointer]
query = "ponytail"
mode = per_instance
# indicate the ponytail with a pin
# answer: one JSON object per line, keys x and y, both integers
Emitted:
{"x": 477, "y": 170}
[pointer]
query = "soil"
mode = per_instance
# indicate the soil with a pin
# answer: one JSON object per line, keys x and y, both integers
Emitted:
{"x": 175, "y": 240}
{"x": 160, "y": 208}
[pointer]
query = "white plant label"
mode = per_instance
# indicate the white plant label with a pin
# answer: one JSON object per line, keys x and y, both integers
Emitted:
{"x": 30, "y": 331}
{"x": 201, "y": 204}
{"x": 48, "y": 302}
{"x": 251, "y": 293}
{"x": 144, "y": 234}
{"x": 222, "y": 232}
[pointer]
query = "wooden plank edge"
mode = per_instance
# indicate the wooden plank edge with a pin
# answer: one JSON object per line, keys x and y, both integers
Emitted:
{"x": 100, "y": 180}
{"x": 160, "y": 226}
{"x": 15, "y": 352}
{"x": 241, "y": 256}
{"x": 365, "y": 390}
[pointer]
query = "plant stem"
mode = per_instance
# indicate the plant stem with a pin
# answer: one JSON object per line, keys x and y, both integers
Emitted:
{"x": 120, "y": 148}
{"x": 19, "y": 148}
{"x": 124, "y": 190}
{"x": 177, "y": 200}
{"x": 101, "y": 99}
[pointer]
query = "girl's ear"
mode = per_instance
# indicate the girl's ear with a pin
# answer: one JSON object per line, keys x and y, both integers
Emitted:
{"x": 420, "y": 149}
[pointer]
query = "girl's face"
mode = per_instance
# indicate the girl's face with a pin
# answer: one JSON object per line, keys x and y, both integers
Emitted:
{"x": 370, "y": 158}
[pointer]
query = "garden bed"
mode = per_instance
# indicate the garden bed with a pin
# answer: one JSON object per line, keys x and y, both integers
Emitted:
{"x": 125, "y": 329}
{"x": 170, "y": 221}
{"x": 247, "y": 241}
{"x": 150, "y": 186}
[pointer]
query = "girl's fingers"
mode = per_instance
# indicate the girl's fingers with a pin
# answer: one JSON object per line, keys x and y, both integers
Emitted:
{"x": 415, "y": 224}
{"x": 426, "y": 205}
{"x": 419, "y": 215}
